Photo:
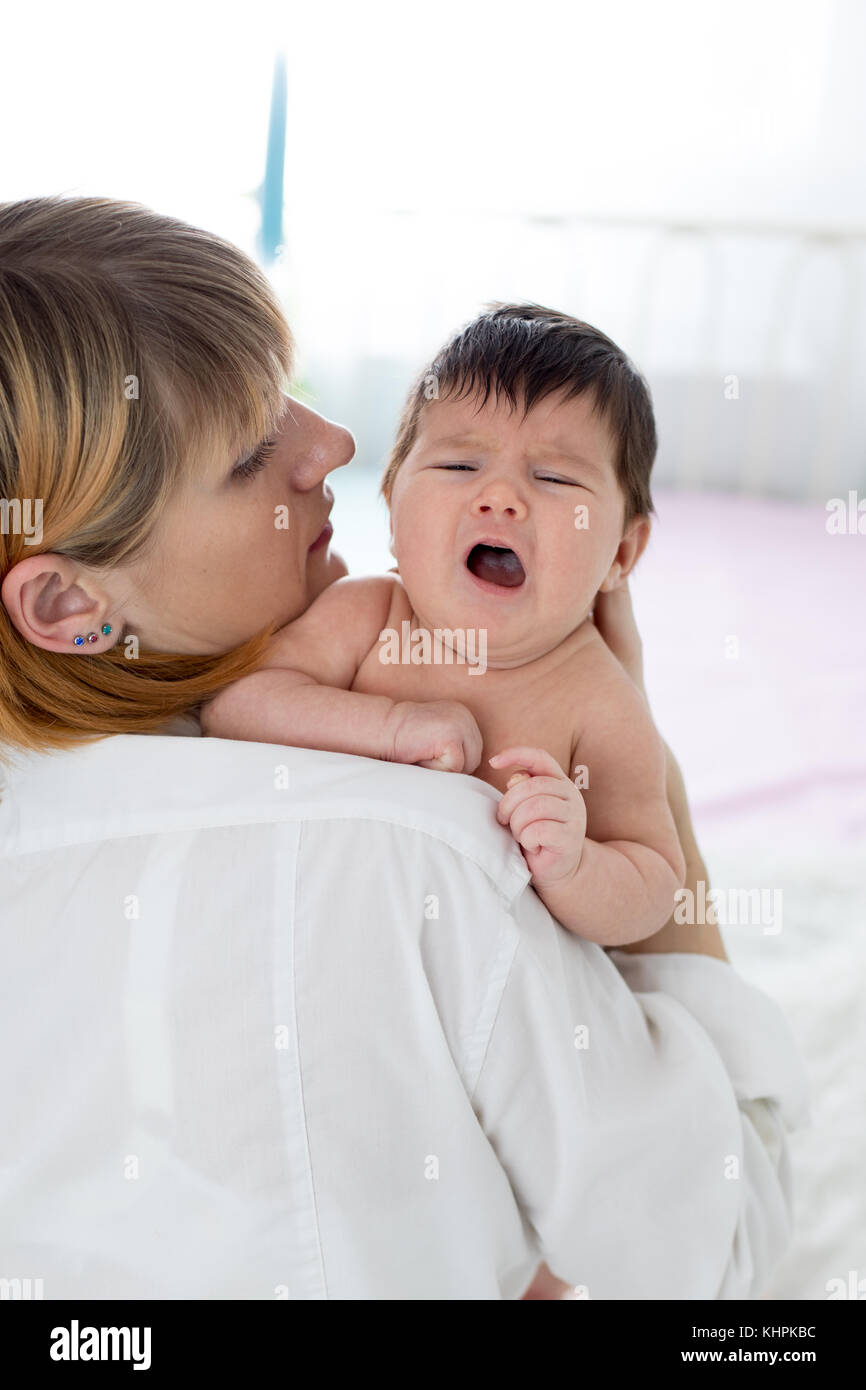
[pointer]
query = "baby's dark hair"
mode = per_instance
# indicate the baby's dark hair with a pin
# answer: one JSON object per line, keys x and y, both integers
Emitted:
{"x": 525, "y": 352}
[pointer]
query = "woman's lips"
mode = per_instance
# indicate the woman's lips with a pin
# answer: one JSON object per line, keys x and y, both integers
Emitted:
{"x": 322, "y": 539}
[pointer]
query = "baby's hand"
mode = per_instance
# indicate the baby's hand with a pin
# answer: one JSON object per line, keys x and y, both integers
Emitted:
{"x": 545, "y": 812}
{"x": 441, "y": 734}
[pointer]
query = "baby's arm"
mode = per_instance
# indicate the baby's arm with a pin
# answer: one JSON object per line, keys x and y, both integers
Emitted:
{"x": 283, "y": 701}
{"x": 617, "y": 884}
{"x": 302, "y": 695}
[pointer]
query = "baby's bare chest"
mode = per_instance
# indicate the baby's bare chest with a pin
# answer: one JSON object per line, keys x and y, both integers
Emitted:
{"x": 527, "y": 705}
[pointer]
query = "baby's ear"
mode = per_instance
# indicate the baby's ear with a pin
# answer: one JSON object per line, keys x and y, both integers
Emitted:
{"x": 391, "y": 532}
{"x": 628, "y": 552}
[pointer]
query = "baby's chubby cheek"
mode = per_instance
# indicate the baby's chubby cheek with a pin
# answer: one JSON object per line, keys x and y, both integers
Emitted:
{"x": 431, "y": 596}
{"x": 568, "y": 578}
{"x": 425, "y": 562}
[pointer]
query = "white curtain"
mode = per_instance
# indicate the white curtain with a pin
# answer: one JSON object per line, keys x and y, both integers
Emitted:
{"x": 689, "y": 177}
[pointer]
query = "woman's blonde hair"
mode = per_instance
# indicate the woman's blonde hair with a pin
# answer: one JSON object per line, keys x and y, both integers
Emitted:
{"x": 130, "y": 345}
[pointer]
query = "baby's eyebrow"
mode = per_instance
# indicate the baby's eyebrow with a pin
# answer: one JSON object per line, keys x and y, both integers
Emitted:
{"x": 467, "y": 441}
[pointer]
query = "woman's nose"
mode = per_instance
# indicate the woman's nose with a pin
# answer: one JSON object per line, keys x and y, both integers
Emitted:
{"x": 326, "y": 446}
{"x": 499, "y": 498}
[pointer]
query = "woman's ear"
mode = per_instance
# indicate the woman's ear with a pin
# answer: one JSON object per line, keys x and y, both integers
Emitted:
{"x": 50, "y": 600}
{"x": 628, "y": 552}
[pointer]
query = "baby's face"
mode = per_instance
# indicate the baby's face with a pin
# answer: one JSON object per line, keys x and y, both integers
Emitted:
{"x": 508, "y": 524}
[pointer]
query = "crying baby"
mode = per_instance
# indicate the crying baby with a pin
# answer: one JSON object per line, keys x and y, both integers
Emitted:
{"x": 518, "y": 489}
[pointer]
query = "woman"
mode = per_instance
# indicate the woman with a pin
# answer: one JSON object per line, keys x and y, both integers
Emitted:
{"x": 282, "y": 1023}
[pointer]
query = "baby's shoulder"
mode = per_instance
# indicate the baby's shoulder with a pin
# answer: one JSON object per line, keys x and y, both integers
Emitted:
{"x": 588, "y": 651}
{"x": 595, "y": 668}
{"x": 370, "y": 604}
{"x": 349, "y": 613}
{"x": 366, "y": 599}
{"x": 377, "y": 600}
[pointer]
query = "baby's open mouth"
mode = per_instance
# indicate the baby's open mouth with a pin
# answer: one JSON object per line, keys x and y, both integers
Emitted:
{"x": 496, "y": 565}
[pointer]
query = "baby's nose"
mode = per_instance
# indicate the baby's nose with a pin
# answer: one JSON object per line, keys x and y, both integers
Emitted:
{"x": 499, "y": 500}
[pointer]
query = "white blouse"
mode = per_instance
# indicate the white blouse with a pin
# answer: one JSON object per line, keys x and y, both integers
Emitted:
{"x": 289, "y": 1024}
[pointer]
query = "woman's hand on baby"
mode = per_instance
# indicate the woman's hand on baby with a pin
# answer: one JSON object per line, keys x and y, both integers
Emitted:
{"x": 613, "y": 615}
{"x": 548, "y": 1285}
{"x": 441, "y": 734}
{"x": 545, "y": 813}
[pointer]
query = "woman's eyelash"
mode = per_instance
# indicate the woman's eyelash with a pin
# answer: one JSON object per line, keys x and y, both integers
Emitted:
{"x": 469, "y": 467}
{"x": 256, "y": 461}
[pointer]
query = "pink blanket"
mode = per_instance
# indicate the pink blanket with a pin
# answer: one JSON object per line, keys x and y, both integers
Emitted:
{"x": 752, "y": 616}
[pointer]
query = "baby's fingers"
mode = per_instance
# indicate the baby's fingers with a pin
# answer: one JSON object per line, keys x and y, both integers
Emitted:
{"x": 536, "y": 761}
{"x": 547, "y": 810}
{"x": 451, "y": 759}
{"x": 527, "y": 788}
{"x": 540, "y": 835}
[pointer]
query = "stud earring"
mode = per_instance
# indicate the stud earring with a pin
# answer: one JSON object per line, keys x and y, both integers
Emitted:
{"x": 92, "y": 636}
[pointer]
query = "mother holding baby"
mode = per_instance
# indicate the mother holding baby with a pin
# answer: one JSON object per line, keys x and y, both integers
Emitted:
{"x": 281, "y": 1022}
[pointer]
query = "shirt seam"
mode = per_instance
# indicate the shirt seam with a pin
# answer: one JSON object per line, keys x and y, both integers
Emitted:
{"x": 289, "y": 818}
{"x": 310, "y": 1167}
{"x": 514, "y": 943}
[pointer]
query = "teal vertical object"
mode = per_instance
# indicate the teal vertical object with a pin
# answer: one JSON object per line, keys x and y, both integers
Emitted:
{"x": 271, "y": 234}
